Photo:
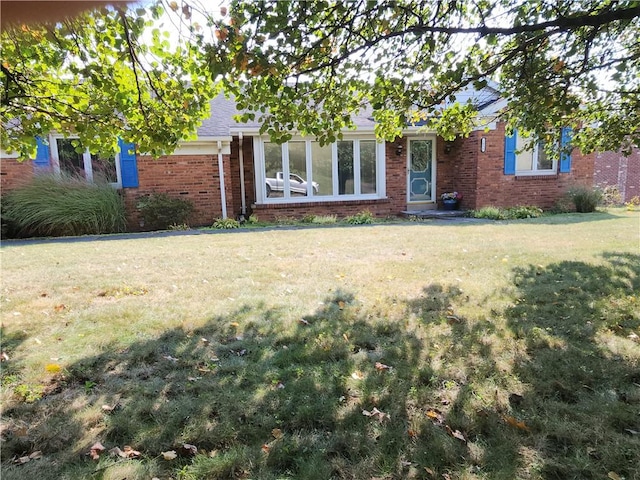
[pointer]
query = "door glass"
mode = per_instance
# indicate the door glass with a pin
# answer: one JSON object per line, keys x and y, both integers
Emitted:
{"x": 420, "y": 168}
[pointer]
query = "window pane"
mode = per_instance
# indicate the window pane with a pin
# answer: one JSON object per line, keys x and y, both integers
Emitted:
{"x": 544, "y": 162}
{"x": 71, "y": 162}
{"x": 104, "y": 169}
{"x": 367, "y": 166}
{"x": 297, "y": 168}
{"x": 273, "y": 167}
{"x": 322, "y": 172}
{"x": 345, "y": 167}
{"x": 524, "y": 158}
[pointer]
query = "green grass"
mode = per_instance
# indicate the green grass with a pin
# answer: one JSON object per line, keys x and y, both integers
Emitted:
{"x": 513, "y": 351}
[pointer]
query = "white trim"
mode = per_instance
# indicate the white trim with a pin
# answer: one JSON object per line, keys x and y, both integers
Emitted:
{"x": 223, "y": 193}
{"x": 243, "y": 193}
{"x": 259, "y": 161}
{"x": 5, "y": 154}
{"x": 202, "y": 148}
{"x": 534, "y": 164}
{"x": 86, "y": 160}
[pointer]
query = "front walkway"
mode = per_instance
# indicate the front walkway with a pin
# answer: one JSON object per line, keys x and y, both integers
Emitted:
{"x": 441, "y": 214}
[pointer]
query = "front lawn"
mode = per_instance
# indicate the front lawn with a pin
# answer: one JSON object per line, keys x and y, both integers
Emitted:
{"x": 420, "y": 350}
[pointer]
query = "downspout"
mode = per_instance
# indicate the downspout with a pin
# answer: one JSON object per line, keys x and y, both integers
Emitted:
{"x": 223, "y": 194}
{"x": 242, "y": 190}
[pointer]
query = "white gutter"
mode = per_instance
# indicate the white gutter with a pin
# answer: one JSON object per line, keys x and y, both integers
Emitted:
{"x": 223, "y": 194}
{"x": 241, "y": 160}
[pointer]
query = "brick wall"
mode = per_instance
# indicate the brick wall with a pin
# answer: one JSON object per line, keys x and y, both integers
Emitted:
{"x": 192, "y": 177}
{"x": 457, "y": 168}
{"x": 613, "y": 168}
{"x": 14, "y": 173}
{"x": 495, "y": 188}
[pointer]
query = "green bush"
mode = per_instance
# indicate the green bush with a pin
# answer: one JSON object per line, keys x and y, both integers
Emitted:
{"x": 226, "y": 223}
{"x": 585, "y": 199}
{"x": 324, "y": 219}
{"x": 360, "y": 218}
{"x": 60, "y": 205}
{"x": 523, "y": 211}
{"x": 490, "y": 213}
{"x": 511, "y": 213}
{"x": 159, "y": 211}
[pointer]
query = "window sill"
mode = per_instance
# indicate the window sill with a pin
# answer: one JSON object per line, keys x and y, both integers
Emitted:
{"x": 536, "y": 176}
{"x": 314, "y": 202}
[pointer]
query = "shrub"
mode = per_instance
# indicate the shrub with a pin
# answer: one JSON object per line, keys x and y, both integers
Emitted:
{"x": 633, "y": 204}
{"x": 611, "y": 196}
{"x": 59, "y": 205}
{"x": 307, "y": 218}
{"x": 253, "y": 219}
{"x": 585, "y": 199}
{"x": 226, "y": 223}
{"x": 325, "y": 219}
{"x": 360, "y": 218}
{"x": 523, "y": 211}
{"x": 490, "y": 213}
{"x": 159, "y": 211}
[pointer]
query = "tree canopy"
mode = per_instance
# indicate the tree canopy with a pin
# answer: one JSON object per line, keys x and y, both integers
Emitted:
{"x": 101, "y": 75}
{"x": 309, "y": 66}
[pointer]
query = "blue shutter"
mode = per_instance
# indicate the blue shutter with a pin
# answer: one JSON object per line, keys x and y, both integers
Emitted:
{"x": 128, "y": 164}
{"x": 510, "y": 153}
{"x": 565, "y": 155}
{"x": 43, "y": 159}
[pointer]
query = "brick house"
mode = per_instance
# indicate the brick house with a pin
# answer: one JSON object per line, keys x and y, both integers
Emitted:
{"x": 231, "y": 170}
{"x": 617, "y": 170}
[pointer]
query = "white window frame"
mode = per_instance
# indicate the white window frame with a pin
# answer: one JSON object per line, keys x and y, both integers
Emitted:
{"x": 260, "y": 174}
{"x": 534, "y": 155}
{"x": 86, "y": 157}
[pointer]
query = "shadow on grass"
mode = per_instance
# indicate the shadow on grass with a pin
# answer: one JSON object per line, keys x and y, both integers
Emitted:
{"x": 547, "y": 388}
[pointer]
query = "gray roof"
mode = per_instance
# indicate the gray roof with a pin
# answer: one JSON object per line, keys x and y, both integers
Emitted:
{"x": 221, "y": 122}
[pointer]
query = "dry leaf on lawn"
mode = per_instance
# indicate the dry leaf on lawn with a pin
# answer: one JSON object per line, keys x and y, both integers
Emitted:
{"x": 277, "y": 433}
{"x": 435, "y": 415}
{"x": 380, "y": 415}
{"x": 381, "y": 367}
{"x": 188, "y": 449}
{"x": 357, "y": 375}
{"x": 95, "y": 450}
{"x": 265, "y": 448}
{"x": 455, "y": 433}
{"x": 169, "y": 455}
{"x": 515, "y": 423}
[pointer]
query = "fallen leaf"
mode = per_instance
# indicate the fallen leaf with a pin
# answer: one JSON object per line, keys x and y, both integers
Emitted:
{"x": 303, "y": 321}
{"x": 381, "y": 367}
{"x": 614, "y": 476}
{"x": 95, "y": 450}
{"x": 36, "y": 455}
{"x": 169, "y": 455}
{"x": 357, "y": 375}
{"x": 189, "y": 449}
{"x": 130, "y": 452}
{"x": 277, "y": 433}
{"x": 194, "y": 379}
{"x": 205, "y": 341}
{"x": 515, "y": 423}
{"x": 234, "y": 324}
{"x": 170, "y": 358}
{"x": 4, "y": 357}
{"x": 116, "y": 452}
{"x": 412, "y": 433}
{"x": 380, "y": 415}
{"x": 265, "y": 448}
{"x": 632, "y": 432}
{"x": 52, "y": 368}
{"x": 21, "y": 432}
{"x": 455, "y": 433}
{"x": 429, "y": 471}
{"x": 435, "y": 416}
{"x": 280, "y": 385}
{"x": 341, "y": 305}
{"x": 453, "y": 319}
{"x": 108, "y": 408}
{"x": 22, "y": 460}
{"x": 59, "y": 308}
{"x": 346, "y": 337}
